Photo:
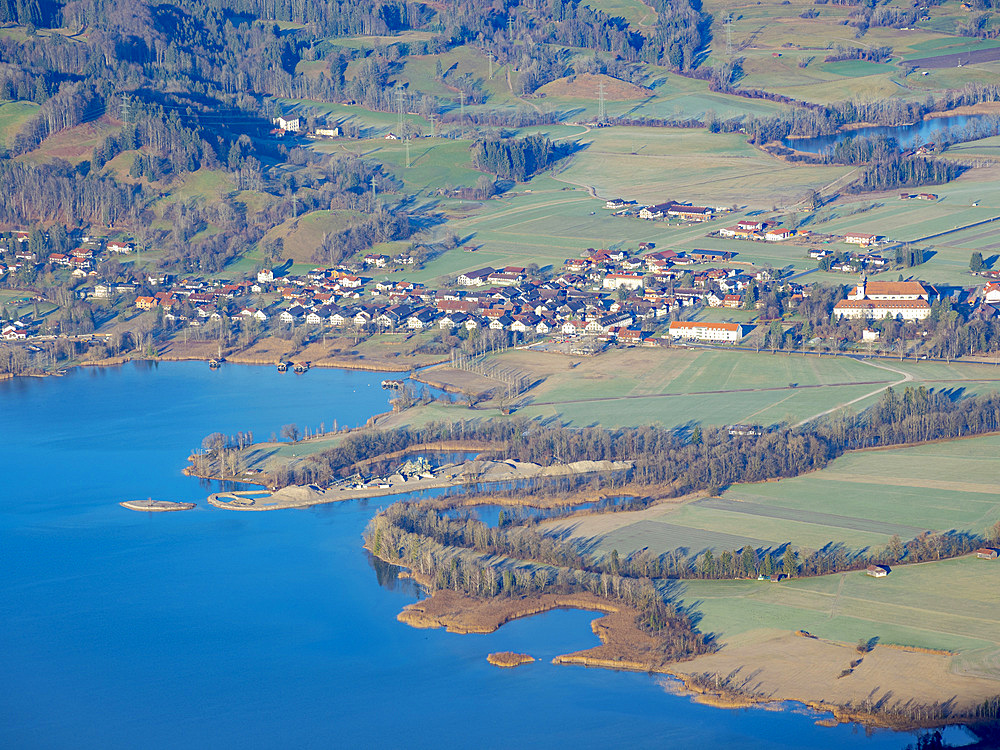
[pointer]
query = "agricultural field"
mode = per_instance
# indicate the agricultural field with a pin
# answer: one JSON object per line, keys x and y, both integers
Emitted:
{"x": 859, "y": 500}
{"x": 684, "y": 387}
{"x": 705, "y": 168}
{"x": 949, "y": 605}
{"x": 783, "y": 50}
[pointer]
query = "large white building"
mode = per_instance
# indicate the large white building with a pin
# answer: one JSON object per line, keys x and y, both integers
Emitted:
{"x": 871, "y": 300}
{"x": 619, "y": 280}
{"x": 690, "y": 329}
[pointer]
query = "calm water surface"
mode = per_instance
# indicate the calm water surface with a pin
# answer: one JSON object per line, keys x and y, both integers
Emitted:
{"x": 909, "y": 136}
{"x": 212, "y": 628}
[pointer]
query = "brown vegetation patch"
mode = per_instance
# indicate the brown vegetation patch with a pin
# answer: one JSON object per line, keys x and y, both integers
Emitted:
{"x": 587, "y": 86}
{"x": 457, "y": 381}
{"x": 766, "y": 666}
{"x": 623, "y": 644}
{"x": 76, "y": 143}
{"x": 509, "y": 659}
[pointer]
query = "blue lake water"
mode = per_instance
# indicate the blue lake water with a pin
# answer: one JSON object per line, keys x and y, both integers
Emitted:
{"x": 909, "y": 136}
{"x": 214, "y": 628}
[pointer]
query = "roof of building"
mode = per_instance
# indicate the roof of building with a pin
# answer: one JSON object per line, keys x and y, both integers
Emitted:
{"x": 692, "y": 324}
{"x": 873, "y": 304}
{"x": 894, "y": 287}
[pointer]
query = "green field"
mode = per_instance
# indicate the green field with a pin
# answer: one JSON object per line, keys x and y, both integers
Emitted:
{"x": 859, "y": 500}
{"x": 12, "y": 116}
{"x": 705, "y": 168}
{"x": 680, "y": 387}
{"x": 943, "y": 605}
{"x": 639, "y": 15}
{"x": 435, "y": 163}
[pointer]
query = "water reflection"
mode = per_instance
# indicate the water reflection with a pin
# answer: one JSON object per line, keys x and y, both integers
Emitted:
{"x": 388, "y": 577}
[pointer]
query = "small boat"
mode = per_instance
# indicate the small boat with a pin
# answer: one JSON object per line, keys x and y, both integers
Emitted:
{"x": 282, "y": 366}
{"x": 392, "y": 384}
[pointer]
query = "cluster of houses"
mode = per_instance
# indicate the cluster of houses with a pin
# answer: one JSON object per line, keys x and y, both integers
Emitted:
{"x": 665, "y": 210}
{"x": 82, "y": 260}
{"x": 612, "y": 295}
{"x": 757, "y": 230}
{"x": 293, "y": 124}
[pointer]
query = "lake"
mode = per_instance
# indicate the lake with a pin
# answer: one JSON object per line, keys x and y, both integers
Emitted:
{"x": 909, "y": 136}
{"x": 214, "y": 628}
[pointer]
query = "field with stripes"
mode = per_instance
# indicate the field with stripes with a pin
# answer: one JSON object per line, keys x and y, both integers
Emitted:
{"x": 860, "y": 500}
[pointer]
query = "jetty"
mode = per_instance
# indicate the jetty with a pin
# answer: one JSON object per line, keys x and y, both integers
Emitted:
{"x": 156, "y": 506}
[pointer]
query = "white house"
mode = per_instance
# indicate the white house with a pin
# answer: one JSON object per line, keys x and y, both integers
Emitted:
{"x": 288, "y": 124}
{"x": 619, "y": 280}
{"x": 778, "y": 234}
{"x": 860, "y": 238}
{"x": 265, "y": 276}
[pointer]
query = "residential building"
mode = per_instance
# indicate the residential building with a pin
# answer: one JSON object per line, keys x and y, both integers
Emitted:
{"x": 690, "y": 329}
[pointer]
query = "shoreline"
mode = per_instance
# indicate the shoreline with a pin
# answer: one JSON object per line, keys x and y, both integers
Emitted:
{"x": 299, "y": 497}
{"x": 622, "y": 648}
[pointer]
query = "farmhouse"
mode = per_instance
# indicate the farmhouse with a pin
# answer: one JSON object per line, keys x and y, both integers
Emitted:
{"x": 778, "y": 234}
{"x": 692, "y": 213}
{"x": 987, "y": 553}
{"x": 877, "y": 571}
{"x": 689, "y": 329}
{"x": 618, "y": 203}
{"x": 656, "y": 212}
{"x": 712, "y": 256}
{"x": 736, "y": 231}
{"x": 750, "y": 225}
{"x": 860, "y": 238}
{"x": 475, "y": 278}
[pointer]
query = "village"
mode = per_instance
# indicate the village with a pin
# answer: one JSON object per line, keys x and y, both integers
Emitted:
{"x": 625, "y": 296}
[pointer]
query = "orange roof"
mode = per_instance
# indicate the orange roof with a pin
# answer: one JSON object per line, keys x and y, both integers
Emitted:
{"x": 713, "y": 326}
{"x": 894, "y": 287}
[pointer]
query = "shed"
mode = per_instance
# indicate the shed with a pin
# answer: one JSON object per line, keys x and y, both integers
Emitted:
{"x": 987, "y": 553}
{"x": 877, "y": 571}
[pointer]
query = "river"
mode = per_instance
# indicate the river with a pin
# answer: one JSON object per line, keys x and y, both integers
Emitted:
{"x": 212, "y": 628}
{"x": 909, "y": 136}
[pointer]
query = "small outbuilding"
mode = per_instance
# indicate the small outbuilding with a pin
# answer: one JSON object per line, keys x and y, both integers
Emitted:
{"x": 877, "y": 571}
{"x": 987, "y": 553}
